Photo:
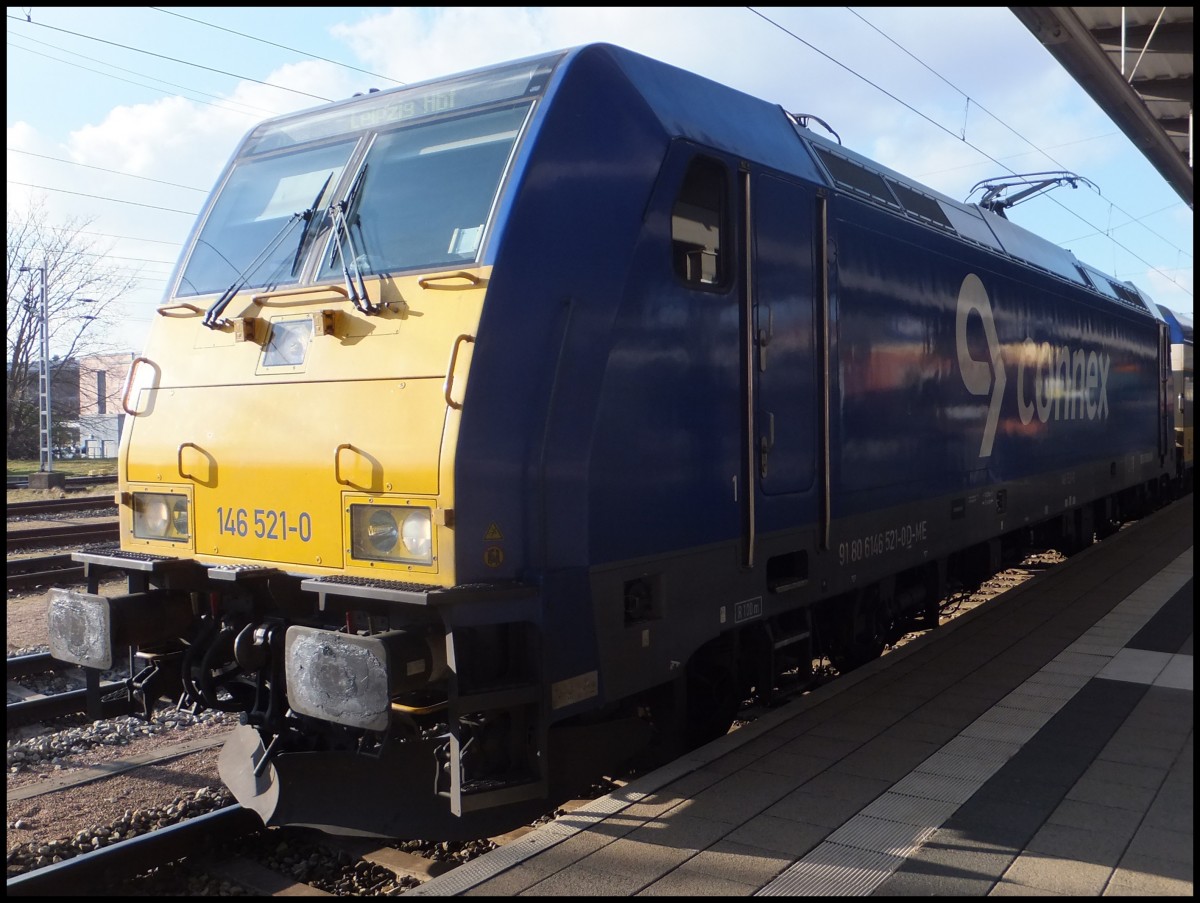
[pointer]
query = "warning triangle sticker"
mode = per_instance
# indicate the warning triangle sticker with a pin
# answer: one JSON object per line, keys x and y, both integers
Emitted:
{"x": 493, "y": 534}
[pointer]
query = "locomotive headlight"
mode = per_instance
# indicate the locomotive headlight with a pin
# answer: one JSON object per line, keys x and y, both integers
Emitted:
{"x": 417, "y": 535}
{"x": 391, "y": 533}
{"x": 382, "y": 531}
{"x": 159, "y": 515}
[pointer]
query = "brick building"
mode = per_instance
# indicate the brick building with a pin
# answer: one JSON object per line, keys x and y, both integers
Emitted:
{"x": 100, "y": 418}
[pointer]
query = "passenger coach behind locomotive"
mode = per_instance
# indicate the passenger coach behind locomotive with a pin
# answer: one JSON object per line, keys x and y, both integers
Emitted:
{"x": 1182, "y": 373}
{"x": 494, "y": 427}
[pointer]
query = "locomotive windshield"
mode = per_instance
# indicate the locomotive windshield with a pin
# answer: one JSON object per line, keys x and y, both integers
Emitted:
{"x": 428, "y": 192}
{"x": 254, "y": 217}
{"x": 426, "y": 164}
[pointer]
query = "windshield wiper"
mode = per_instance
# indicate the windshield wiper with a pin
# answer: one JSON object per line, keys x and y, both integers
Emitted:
{"x": 212, "y": 317}
{"x": 309, "y": 215}
{"x": 356, "y": 288}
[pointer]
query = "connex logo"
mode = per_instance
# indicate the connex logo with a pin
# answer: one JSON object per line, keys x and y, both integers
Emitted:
{"x": 1054, "y": 382}
{"x": 977, "y": 375}
{"x": 1068, "y": 383}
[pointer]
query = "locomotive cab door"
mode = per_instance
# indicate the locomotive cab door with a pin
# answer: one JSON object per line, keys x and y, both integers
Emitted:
{"x": 782, "y": 292}
{"x": 744, "y": 253}
{"x": 780, "y": 383}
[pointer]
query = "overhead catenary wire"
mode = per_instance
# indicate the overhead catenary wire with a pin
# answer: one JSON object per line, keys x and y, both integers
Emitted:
{"x": 969, "y": 144}
{"x": 157, "y": 241}
{"x": 115, "y": 172}
{"x": 251, "y": 37}
{"x": 224, "y": 104}
{"x": 173, "y": 59}
{"x": 97, "y": 197}
{"x": 26, "y": 21}
{"x": 1045, "y": 153}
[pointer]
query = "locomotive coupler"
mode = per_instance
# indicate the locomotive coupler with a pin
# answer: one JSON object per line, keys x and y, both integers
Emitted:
{"x": 157, "y": 680}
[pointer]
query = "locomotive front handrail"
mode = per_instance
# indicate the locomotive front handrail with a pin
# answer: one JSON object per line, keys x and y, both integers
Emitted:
{"x": 265, "y": 297}
{"x": 431, "y": 282}
{"x": 181, "y": 305}
{"x": 449, "y": 384}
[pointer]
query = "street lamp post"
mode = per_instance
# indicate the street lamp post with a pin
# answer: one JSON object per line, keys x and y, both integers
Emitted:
{"x": 45, "y": 418}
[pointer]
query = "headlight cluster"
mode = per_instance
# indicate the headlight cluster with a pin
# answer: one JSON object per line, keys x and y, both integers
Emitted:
{"x": 158, "y": 515}
{"x": 383, "y": 533}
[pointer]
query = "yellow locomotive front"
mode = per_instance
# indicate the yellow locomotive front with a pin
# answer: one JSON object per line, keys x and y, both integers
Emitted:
{"x": 300, "y": 435}
{"x": 286, "y": 472}
{"x": 295, "y": 404}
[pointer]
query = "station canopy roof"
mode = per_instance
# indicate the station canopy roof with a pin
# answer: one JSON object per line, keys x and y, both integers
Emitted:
{"x": 1136, "y": 63}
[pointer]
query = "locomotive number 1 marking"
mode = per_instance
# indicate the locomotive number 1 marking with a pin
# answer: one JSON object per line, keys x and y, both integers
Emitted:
{"x": 264, "y": 523}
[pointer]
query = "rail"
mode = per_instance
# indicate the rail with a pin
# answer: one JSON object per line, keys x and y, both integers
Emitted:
{"x": 56, "y": 506}
{"x": 72, "y": 482}
{"x": 66, "y": 534}
{"x": 128, "y": 858}
{"x": 43, "y": 570}
{"x": 97, "y": 699}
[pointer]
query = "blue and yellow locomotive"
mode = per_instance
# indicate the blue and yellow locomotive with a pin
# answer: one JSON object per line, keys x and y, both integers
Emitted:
{"x": 498, "y": 428}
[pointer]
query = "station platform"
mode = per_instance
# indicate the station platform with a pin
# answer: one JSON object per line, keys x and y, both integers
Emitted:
{"x": 1038, "y": 745}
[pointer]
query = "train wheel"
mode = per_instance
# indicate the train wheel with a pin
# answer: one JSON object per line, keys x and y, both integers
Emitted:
{"x": 712, "y": 695}
{"x": 858, "y": 653}
{"x": 856, "y": 636}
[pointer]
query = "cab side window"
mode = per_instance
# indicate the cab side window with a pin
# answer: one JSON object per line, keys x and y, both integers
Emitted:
{"x": 699, "y": 224}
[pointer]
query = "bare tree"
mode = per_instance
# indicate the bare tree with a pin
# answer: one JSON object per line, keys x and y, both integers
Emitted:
{"x": 82, "y": 288}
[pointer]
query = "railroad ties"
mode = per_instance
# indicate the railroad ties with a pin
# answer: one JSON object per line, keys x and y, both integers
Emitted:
{"x": 97, "y": 699}
{"x": 40, "y": 525}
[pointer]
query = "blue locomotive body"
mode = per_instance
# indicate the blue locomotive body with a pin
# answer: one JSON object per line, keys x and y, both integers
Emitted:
{"x": 872, "y": 378}
{"x": 736, "y": 399}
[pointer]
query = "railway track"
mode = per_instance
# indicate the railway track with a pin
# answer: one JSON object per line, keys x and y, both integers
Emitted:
{"x": 62, "y": 535}
{"x": 126, "y": 858}
{"x": 232, "y": 845}
{"x": 228, "y": 844}
{"x": 72, "y": 482}
{"x": 97, "y": 698}
{"x": 205, "y": 841}
{"x": 60, "y": 569}
{"x": 43, "y": 570}
{"x": 60, "y": 506}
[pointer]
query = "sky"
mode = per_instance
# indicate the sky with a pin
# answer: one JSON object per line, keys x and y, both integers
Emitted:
{"x": 125, "y": 116}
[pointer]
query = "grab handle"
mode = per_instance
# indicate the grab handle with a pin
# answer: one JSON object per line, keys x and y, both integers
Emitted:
{"x": 179, "y": 459}
{"x": 129, "y": 381}
{"x": 337, "y": 461}
{"x": 449, "y": 384}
